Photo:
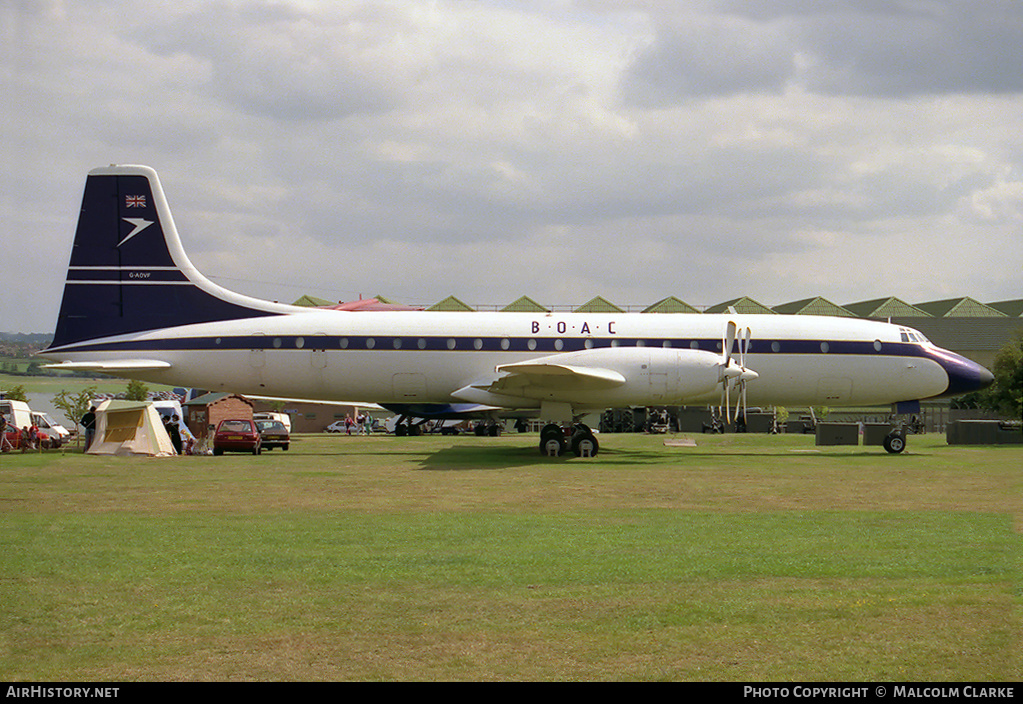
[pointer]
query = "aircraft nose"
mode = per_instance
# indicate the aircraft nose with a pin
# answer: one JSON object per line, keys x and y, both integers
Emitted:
{"x": 985, "y": 378}
{"x": 965, "y": 376}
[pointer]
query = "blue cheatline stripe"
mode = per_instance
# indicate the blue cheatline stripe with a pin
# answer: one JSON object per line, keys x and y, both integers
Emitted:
{"x": 436, "y": 343}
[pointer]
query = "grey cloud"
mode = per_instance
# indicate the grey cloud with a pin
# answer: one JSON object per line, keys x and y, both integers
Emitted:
{"x": 884, "y": 48}
{"x": 280, "y": 62}
{"x": 864, "y": 47}
{"x": 703, "y": 56}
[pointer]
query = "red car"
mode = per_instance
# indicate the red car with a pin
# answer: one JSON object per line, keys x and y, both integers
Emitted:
{"x": 236, "y": 436}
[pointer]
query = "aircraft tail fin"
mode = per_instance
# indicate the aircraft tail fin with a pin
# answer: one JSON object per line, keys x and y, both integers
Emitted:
{"x": 128, "y": 270}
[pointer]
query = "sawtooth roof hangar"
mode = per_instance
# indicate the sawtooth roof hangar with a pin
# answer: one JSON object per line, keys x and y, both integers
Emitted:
{"x": 964, "y": 325}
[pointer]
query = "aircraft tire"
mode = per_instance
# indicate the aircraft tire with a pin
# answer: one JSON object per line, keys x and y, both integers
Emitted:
{"x": 895, "y": 442}
{"x": 585, "y": 442}
{"x": 548, "y": 443}
{"x": 550, "y": 429}
{"x": 552, "y": 434}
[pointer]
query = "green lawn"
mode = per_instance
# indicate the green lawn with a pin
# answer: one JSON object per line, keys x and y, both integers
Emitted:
{"x": 435, "y": 558}
{"x": 49, "y": 386}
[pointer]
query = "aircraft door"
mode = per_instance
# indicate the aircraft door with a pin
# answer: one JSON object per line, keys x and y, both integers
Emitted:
{"x": 408, "y": 387}
{"x": 834, "y": 389}
{"x": 257, "y": 352}
{"x": 662, "y": 371}
{"x": 318, "y": 355}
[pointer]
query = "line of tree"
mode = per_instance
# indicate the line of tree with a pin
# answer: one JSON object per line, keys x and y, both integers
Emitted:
{"x": 15, "y": 393}
{"x": 1005, "y": 395}
{"x": 34, "y": 368}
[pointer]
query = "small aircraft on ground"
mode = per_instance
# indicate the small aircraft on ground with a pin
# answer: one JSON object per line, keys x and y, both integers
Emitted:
{"x": 135, "y": 306}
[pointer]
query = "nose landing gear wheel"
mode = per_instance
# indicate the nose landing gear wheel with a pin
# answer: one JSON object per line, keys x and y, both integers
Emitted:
{"x": 895, "y": 442}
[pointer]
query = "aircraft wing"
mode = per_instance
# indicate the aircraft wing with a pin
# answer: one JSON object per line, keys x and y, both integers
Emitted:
{"x": 572, "y": 374}
{"x": 444, "y": 411}
{"x": 111, "y": 366}
{"x": 539, "y": 372}
{"x": 360, "y": 404}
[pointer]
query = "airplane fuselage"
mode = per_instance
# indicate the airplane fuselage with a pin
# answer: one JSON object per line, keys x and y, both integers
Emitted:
{"x": 427, "y": 357}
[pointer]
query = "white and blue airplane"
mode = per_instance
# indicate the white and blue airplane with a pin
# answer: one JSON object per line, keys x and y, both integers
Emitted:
{"x": 135, "y": 306}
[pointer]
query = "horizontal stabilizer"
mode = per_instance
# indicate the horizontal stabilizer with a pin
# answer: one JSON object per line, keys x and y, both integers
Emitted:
{"x": 111, "y": 366}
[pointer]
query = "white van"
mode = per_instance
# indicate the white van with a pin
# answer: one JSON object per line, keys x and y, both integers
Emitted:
{"x": 269, "y": 415}
{"x": 57, "y": 433}
{"x": 17, "y": 413}
{"x": 167, "y": 408}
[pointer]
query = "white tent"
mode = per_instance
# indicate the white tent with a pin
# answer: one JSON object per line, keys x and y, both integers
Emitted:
{"x": 128, "y": 428}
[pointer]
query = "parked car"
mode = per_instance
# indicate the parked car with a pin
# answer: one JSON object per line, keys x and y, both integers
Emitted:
{"x": 11, "y": 436}
{"x": 237, "y": 436}
{"x": 337, "y": 426}
{"x": 271, "y": 415}
{"x": 273, "y": 434}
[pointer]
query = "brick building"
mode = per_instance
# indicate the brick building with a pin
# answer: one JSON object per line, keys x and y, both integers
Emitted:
{"x": 209, "y": 409}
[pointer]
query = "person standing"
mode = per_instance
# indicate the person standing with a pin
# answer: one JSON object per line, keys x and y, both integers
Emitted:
{"x": 89, "y": 423}
{"x": 175, "y": 433}
{"x": 5, "y": 444}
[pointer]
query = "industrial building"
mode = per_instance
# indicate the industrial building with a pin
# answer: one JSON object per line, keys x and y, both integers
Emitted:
{"x": 964, "y": 325}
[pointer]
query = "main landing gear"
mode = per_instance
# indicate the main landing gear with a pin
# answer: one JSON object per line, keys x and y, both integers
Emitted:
{"x": 556, "y": 440}
{"x": 487, "y": 429}
{"x": 407, "y": 427}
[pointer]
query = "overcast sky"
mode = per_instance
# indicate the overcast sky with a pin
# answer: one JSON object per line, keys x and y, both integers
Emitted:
{"x": 710, "y": 149}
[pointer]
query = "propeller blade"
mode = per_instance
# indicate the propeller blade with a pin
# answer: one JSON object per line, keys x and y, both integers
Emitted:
{"x": 740, "y": 405}
{"x": 738, "y": 401}
{"x": 743, "y": 374}
{"x": 728, "y": 403}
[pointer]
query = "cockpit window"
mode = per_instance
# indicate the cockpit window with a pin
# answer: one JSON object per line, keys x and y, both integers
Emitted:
{"x": 910, "y": 335}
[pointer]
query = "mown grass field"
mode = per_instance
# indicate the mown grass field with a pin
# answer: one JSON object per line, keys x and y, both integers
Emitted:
{"x": 48, "y": 386}
{"x": 436, "y": 558}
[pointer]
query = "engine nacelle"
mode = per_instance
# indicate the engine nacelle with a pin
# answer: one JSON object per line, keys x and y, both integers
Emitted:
{"x": 653, "y": 375}
{"x": 609, "y": 376}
